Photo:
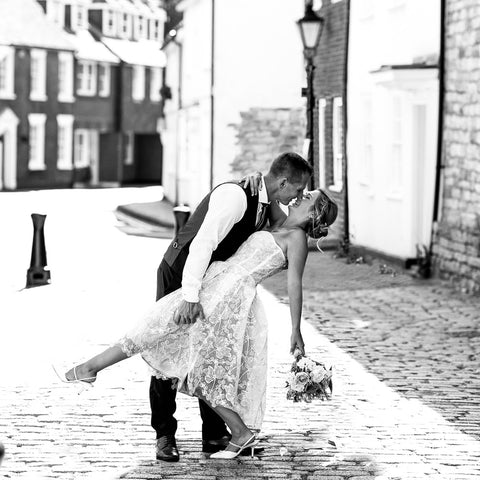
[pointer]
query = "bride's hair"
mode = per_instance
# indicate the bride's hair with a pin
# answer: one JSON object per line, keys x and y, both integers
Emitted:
{"x": 324, "y": 213}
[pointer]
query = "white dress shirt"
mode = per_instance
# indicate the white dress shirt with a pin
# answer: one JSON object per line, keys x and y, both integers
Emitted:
{"x": 227, "y": 206}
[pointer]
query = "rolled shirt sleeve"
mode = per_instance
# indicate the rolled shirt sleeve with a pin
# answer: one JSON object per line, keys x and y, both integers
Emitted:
{"x": 228, "y": 204}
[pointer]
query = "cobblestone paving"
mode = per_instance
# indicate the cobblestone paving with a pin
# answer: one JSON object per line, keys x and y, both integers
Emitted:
{"x": 405, "y": 406}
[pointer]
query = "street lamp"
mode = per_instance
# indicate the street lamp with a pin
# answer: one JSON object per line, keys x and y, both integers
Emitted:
{"x": 311, "y": 26}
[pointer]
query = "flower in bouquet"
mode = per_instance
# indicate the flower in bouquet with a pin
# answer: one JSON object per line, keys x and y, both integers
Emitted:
{"x": 308, "y": 379}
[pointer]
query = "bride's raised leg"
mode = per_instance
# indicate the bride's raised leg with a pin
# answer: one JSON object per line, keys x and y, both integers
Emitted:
{"x": 88, "y": 370}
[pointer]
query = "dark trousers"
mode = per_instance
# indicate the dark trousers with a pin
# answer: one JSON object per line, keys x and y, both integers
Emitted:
{"x": 162, "y": 395}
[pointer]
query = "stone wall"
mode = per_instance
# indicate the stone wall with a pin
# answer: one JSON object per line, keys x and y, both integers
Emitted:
{"x": 264, "y": 133}
{"x": 457, "y": 242}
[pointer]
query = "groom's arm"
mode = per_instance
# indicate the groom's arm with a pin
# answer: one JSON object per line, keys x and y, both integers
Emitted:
{"x": 226, "y": 207}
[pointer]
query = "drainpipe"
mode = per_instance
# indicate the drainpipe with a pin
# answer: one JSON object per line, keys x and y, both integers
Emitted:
{"x": 179, "y": 108}
{"x": 212, "y": 98}
{"x": 346, "y": 222}
{"x": 441, "y": 98}
{"x": 118, "y": 119}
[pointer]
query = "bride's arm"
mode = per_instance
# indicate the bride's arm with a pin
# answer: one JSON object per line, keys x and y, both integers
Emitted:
{"x": 297, "y": 255}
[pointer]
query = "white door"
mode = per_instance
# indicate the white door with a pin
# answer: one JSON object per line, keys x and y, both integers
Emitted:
{"x": 8, "y": 156}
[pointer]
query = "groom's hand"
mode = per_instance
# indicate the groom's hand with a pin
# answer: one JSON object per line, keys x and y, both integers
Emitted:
{"x": 254, "y": 180}
{"x": 188, "y": 313}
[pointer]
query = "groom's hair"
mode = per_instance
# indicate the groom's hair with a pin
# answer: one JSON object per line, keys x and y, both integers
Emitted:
{"x": 290, "y": 165}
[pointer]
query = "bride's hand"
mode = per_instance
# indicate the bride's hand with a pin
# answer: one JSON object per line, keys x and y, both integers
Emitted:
{"x": 296, "y": 341}
{"x": 254, "y": 180}
{"x": 188, "y": 313}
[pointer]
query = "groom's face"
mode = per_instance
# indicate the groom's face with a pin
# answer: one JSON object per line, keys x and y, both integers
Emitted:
{"x": 289, "y": 191}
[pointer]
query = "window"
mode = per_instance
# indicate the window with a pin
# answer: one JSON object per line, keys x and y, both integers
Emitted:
{"x": 36, "y": 137}
{"x": 7, "y": 68}
{"x": 140, "y": 28}
{"x": 38, "y": 75}
{"x": 64, "y": 141}
{"x": 395, "y": 170}
{"x": 65, "y": 77}
{"x": 337, "y": 144}
{"x": 128, "y": 149}
{"x": 104, "y": 79}
{"x": 138, "y": 83}
{"x": 87, "y": 78}
{"x": 154, "y": 27}
{"x": 79, "y": 17}
{"x": 81, "y": 149}
{"x": 322, "y": 107}
{"x": 109, "y": 25}
{"x": 56, "y": 11}
{"x": 155, "y": 84}
{"x": 126, "y": 25}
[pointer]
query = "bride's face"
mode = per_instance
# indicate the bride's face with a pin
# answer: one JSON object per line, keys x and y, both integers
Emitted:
{"x": 302, "y": 208}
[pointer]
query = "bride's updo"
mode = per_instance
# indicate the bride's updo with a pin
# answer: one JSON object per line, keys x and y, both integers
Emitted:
{"x": 324, "y": 213}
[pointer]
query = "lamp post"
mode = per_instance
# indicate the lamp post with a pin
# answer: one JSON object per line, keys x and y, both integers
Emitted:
{"x": 311, "y": 26}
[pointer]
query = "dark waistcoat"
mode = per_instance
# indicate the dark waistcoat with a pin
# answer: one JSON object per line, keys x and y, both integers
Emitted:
{"x": 177, "y": 252}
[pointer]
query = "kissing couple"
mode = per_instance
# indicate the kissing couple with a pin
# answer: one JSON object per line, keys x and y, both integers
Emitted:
{"x": 206, "y": 336}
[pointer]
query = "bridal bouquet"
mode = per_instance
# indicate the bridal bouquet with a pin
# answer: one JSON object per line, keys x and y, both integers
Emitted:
{"x": 308, "y": 379}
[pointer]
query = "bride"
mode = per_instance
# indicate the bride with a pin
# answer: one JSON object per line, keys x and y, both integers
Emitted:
{"x": 222, "y": 359}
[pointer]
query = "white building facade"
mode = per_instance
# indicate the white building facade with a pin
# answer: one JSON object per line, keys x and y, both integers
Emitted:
{"x": 227, "y": 57}
{"x": 392, "y": 109}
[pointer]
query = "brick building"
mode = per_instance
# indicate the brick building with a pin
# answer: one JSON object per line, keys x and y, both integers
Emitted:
{"x": 330, "y": 92}
{"x": 457, "y": 241}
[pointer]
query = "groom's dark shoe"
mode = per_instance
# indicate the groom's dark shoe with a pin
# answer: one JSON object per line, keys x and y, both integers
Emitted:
{"x": 213, "y": 446}
{"x": 167, "y": 449}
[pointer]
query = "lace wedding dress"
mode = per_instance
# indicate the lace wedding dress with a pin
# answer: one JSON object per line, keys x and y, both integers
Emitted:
{"x": 223, "y": 358}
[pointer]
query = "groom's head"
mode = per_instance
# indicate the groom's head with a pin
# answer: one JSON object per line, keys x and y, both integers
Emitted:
{"x": 288, "y": 177}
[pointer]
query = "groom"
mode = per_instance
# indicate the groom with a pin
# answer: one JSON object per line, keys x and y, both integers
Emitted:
{"x": 224, "y": 219}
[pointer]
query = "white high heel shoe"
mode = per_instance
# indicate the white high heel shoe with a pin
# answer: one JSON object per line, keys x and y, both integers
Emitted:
{"x": 228, "y": 455}
{"x": 87, "y": 380}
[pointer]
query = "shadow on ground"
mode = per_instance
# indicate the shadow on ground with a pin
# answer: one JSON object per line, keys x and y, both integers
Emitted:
{"x": 419, "y": 337}
{"x": 307, "y": 461}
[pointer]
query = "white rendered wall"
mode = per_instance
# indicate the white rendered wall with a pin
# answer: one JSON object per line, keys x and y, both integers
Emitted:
{"x": 258, "y": 63}
{"x": 392, "y": 124}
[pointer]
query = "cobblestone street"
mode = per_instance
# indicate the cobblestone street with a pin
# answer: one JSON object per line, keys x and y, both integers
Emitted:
{"x": 406, "y": 362}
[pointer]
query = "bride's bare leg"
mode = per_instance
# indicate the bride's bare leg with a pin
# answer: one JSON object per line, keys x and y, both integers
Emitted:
{"x": 91, "y": 367}
{"x": 240, "y": 432}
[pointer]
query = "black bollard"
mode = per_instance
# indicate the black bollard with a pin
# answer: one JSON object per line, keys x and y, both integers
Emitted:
{"x": 38, "y": 274}
{"x": 181, "y": 214}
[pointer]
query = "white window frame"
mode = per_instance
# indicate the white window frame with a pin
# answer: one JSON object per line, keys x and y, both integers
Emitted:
{"x": 64, "y": 141}
{"x": 79, "y": 17}
{"x": 56, "y": 12}
{"x": 81, "y": 157}
{"x": 86, "y": 78}
{"x": 138, "y": 83}
{"x": 128, "y": 149}
{"x": 322, "y": 115}
{"x": 109, "y": 22}
{"x": 36, "y": 133}
{"x": 38, "y": 84}
{"x": 337, "y": 145}
{"x": 65, "y": 77}
{"x": 154, "y": 29}
{"x": 155, "y": 84}
{"x": 125, "y": 21}
{"x": 104, "y": 80}
{"x": 7, "y": 67}
{"x": 140, "y": 27}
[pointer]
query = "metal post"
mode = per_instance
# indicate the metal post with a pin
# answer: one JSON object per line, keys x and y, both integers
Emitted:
{"x": 181, "y": 214}
{"x": 310, "y": 109}
{"x": 37, "y": 274}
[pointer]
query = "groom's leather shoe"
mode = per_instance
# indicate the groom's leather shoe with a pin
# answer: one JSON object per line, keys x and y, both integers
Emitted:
{"x": 167, "y": 449}
{"x": 213, "y": 446}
